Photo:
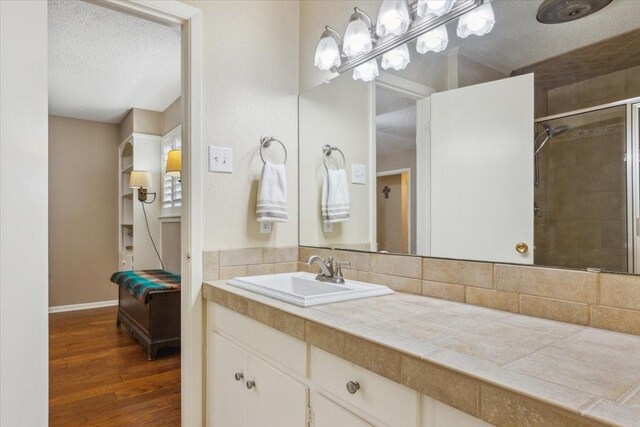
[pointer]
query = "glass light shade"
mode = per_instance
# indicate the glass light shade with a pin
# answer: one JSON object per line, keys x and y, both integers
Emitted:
{"x": 397, "y": 58}
{"x": 357, "y": 39}
{"x": 434, "y": 7}
{"x": 479, "y": 21}
{"x": 393, "y": 18}
{"x": 140, "y": 179}
{"x": 174, "y": 163}
{"x": 367, "y": 71}
{"x": 327, "y": 54}
{"x": 435, "y": 40}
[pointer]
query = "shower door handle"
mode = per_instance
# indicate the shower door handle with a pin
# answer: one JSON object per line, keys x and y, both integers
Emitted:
{"x": 522, "y": 248}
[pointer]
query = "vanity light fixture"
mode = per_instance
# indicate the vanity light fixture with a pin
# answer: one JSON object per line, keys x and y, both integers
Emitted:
{"x": 393, "y": 18}
{"x": 434, "y": 7}
{"x": 479, "y": 22}
{"x": 358, "y": 37}
{"x": 435, "y": 40}
{"x": 328, "y": 50}
{"x": 366, "y": 72}
{"x": 398, "y": 58}
{"x": 399, "y": 24}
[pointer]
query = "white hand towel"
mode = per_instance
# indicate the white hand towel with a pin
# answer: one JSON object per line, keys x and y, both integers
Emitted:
{"x": 335, "y": 197}
{"x": 272, "y": 194}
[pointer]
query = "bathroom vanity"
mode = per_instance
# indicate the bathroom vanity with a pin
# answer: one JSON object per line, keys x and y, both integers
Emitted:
{"x": 407, "y": 360}
{"x": 259, "y": 375}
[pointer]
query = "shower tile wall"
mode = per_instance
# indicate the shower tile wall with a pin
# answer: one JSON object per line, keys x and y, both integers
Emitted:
{"x": 599, "y": 90}
{"x": 583, "y": 197}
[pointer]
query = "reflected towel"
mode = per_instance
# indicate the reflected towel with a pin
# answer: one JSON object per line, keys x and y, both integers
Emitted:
{"x": 272, "y": 194}
{"x": 335, "y": 197}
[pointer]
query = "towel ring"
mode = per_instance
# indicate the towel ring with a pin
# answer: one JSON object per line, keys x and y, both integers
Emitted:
{"x": 327, "y": 150}
{"x": 265, "y": 142}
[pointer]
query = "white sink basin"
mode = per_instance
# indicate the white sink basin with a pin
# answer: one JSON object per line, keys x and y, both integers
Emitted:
{"x": 303, "y": 290}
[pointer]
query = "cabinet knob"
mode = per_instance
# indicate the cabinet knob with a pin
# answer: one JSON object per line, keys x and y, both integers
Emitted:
{"x": 522, "y": 248}
{"x": 353, "y": 387}
{"x": 239, "y": 376}
{"x": 251, "y": 384}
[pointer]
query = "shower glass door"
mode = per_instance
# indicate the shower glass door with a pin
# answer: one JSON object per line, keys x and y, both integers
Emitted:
{"x": 582, "y": 200}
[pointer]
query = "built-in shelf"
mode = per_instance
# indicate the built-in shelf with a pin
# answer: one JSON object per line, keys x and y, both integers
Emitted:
{"x": 127, "y": 225}
{"x": 127, "y": 169}
{"x": 128, "y": 196}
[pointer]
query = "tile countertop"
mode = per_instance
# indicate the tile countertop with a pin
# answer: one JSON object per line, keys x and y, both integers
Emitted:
{"x": 591, "y": 373}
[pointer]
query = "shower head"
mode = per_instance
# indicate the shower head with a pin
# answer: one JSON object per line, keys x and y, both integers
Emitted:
{"x": 561, "y": 11}
{"x": 549, "y": 133}
{"x": 553, "y": 132}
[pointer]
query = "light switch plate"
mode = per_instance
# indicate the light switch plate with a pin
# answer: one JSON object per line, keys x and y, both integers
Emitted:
{"x": 358, "y": 173}
{"x": 220, "y": 159}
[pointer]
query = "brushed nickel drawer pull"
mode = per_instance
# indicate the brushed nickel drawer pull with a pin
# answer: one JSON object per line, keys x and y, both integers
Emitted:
{"x": 251, "y": 384}
{"x": 239, "y": 376}
{"x": 353, "y": 387}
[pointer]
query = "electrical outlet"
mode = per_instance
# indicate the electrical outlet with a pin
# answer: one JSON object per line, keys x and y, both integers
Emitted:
{"x": 358, "y": 174}
{"x": 220, "y": 159}
{"x": 328, "y": 227}
{"x": 266, "y": 227}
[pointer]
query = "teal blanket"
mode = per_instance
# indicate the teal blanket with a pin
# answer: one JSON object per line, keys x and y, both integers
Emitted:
{"x": 140, "y": 283}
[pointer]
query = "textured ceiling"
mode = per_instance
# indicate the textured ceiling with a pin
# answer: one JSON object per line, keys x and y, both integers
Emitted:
{"x": 395, "y": 122}
{"x": 103, "y": 62}
{"x": 517, "y": 39}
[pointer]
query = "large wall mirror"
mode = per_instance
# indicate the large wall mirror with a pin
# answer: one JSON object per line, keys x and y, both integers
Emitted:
{"x": 519, "y": 146}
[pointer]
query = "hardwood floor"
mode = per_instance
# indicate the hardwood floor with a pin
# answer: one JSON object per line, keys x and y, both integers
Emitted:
{"x": 100, "y": 376}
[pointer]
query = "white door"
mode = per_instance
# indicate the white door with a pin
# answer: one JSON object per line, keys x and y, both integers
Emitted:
{"x": 329, "y": 414}
{"x": 482, "y": 171}
{"x": 227, "y": 396}
{"x": 275, "y": 399}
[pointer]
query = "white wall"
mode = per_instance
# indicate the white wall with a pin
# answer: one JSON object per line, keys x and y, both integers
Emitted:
{"x": 339, "y": 113}
{"x": 250, "y": 89}
{"x": 23, "y": 214}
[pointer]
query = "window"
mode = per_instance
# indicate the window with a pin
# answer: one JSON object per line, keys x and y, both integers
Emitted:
{"x": 171, "y": 186}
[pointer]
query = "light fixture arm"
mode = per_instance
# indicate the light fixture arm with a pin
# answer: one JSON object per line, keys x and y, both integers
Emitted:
{"x": 415, "y": 30}
{"x": 361, "y": 14}
{"x": 330, "y": 32}
{"x": 143, "y": 194}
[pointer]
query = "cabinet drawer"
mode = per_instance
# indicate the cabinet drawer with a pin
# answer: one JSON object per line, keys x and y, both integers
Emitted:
{"x": 386, "y": 400}
{"x": 286, "y": 350}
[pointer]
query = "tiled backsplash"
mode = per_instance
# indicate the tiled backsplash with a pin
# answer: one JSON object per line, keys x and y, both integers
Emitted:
{"x": 230, "y": 263}
{"x": 602, "y": 300}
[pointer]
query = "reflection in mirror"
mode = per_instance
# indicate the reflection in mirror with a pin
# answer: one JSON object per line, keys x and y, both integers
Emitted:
{"x": 498, "y": 148}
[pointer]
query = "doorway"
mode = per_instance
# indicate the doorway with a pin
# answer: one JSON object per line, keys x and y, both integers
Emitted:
{"x": 393, "y": 211}
{"x": 187, "y": 22}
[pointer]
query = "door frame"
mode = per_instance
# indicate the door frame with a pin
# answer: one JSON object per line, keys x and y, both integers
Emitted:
{"x": 409, "y": 200}
{"x": 421, "y": 94}
{"x": 189, "y": 18}
{"x": 633, "y": 139}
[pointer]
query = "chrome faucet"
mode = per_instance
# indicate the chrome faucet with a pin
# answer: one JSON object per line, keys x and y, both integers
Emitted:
{"x": 327, "y": 272}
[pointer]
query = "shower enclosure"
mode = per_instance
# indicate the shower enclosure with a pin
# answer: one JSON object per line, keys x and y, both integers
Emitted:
{"x": 586, "y": 197}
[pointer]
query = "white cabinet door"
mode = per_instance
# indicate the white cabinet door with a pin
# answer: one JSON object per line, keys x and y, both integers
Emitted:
{"x": 227, "y": 397}
{"x": 276, "y": 399}
{"x": 437, "y": 414}
{"x": 329, "y": 414}
{"x": 482, "y": 171}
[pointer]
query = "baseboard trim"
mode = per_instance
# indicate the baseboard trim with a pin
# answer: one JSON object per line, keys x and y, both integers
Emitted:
{"x": 85, "y": 306}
